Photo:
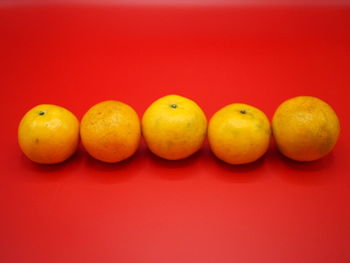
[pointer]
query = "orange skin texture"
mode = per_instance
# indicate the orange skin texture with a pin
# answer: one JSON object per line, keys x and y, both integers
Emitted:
{"x": 239, "y": 133}
{"x": 110, "y": 131}
{"x": 305, "y": 128}
{"x": 174, "y": 127}
{"x": 48, "y": 134}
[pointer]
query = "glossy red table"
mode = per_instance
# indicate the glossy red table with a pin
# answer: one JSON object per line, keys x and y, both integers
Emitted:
{"x": 147, "y": 209}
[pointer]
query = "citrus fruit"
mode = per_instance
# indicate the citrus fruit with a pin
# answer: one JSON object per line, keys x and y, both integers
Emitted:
{"x": 305, "y": 128}
{"x": 48, "y": 134}
{"x": 110, "y": 131}
{"x": 174, "y": 127}
{"x": 239, "y": 133}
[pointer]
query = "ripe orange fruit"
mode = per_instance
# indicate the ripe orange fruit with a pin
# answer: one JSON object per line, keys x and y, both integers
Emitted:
{"x": 174, "y": 127}
{"x": 305, "y": 128}
{"x": 239, "y": 133}
{"x": 110, "y": 131}
{"x": 48, "y": 134}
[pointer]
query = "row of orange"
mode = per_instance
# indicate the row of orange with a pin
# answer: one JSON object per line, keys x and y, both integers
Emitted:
{"x": 305, "y": 128}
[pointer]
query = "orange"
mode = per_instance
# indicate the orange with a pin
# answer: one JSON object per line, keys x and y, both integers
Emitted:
{"x": 239, "y": 133}
{"x": 174, "y": 127}
{"x": 305, "y": 128}
{"x": 110, "y": 131}
{"x": 48, "y": 134}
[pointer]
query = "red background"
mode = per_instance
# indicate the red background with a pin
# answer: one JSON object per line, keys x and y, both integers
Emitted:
{"x": 147, "y": 209}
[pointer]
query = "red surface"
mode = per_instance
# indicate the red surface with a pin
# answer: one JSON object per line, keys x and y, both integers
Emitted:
{"x": 195, "y": 210}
